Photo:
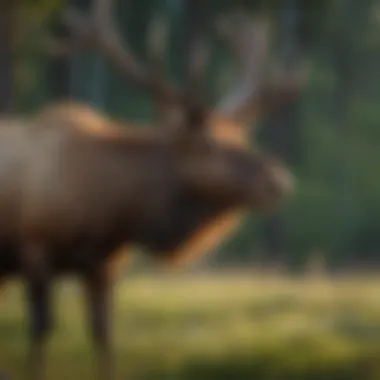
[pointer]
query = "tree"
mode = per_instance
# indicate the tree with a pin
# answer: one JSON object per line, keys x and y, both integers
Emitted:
{"x": 7, "y": 20}
{"x": 281, "y": 130}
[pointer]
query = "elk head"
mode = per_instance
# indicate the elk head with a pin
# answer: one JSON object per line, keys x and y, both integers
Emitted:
{"x": 209, "y": 145}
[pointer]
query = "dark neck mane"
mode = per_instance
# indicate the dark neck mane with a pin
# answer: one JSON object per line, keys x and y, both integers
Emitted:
{"x": 192, "y": 228}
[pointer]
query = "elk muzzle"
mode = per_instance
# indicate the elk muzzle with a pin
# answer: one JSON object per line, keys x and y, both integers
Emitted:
{"x": 274, "y": 185}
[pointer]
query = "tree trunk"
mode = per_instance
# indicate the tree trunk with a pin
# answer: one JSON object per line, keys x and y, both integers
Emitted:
{"x": 347, "y": 64}
{"x": 60, "y": 69}
{"x": 6, "y": 57}
{"x": 281, "y": 133}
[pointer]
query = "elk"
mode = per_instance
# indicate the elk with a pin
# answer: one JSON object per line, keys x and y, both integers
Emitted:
{"x": 77, "y": 186}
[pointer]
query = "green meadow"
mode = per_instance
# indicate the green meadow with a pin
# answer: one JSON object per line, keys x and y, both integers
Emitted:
{"x": 213, "y": 326}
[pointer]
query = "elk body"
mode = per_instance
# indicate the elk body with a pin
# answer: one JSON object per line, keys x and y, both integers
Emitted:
{"x": 75, "y": 187}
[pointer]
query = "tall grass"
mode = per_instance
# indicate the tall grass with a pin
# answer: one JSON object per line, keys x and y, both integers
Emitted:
{"x": 213, "y": 327}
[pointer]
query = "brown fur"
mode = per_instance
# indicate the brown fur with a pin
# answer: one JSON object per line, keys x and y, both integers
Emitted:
{"x": 79, "y": 191}
{"x": 79, "y": 129}
{"x": 206, "y": 237}
{"x": 83, "y": 117}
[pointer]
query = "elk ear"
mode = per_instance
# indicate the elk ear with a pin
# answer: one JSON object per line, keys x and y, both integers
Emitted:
{"x": 189, "y": 130}
{"x": 228, "y": 131}
{"x": 187, "y": 120}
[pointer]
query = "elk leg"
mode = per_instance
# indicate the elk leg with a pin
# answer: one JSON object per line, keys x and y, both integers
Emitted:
{"x": 99, "y": 306}
{"x": 39, "y": 304}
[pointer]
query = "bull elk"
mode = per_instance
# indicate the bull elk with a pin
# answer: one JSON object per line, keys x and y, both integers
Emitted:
{"x": 76, "y": 186}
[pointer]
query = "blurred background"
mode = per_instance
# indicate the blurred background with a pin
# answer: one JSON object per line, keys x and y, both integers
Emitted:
{"x": 329, "y": 136}
{"x": 244, "y": 325}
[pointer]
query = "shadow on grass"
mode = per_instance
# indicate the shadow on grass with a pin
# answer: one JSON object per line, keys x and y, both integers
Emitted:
{"x": 270, "y": 367}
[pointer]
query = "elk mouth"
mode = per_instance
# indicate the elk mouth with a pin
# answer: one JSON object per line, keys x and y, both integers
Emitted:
{"x": 271, "y": 191}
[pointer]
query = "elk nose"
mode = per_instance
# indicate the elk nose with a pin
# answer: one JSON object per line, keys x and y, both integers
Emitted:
{"x": 283, "y": 181}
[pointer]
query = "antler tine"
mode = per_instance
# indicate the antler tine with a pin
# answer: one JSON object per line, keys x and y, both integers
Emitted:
{"x": 99, "y": 32}
{"x": 166, "y": 113}
{"x": 197, "y": 21}
{"x": 284, "y": 85}
{"x": 196, "y": 13}
{"x": 156, "y": 43}
{"x": 248, "y": 42}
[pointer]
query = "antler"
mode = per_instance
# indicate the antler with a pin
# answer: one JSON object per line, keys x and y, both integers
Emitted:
{"x": 196, "y": 23}
{"x": 98, "y": 31}
{"x": 248, "y": 42}
{"x": 284, "y": 85}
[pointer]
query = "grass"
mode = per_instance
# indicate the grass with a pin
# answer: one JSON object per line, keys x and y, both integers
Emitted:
{"x": 214, "y": 327}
